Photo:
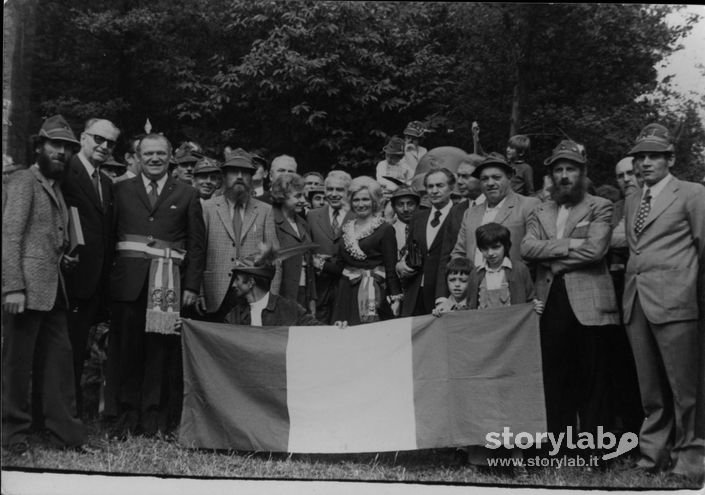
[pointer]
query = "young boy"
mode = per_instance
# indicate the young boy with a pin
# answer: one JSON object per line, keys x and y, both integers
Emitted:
{"x": 457, "y": 276}
{"x": 517, "y": 150}
{"x": 499, "y": 281}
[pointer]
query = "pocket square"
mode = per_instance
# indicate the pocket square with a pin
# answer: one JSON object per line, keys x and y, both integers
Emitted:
{"x": 172, "y": 207}
{"x": 584, "y": 223}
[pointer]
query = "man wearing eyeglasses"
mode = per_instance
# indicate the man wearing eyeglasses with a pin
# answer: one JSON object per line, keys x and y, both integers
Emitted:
{"x": 89, "y": 189}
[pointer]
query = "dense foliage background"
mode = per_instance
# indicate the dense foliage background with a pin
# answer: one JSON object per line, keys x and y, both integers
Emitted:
{"x": 328, "y": 82}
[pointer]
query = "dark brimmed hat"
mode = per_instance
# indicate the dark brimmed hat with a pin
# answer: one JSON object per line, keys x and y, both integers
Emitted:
{"x": 394, "y": 180}
{"x": 249, "y": 267}
{"x": 566, "y": 150}
{"x": 395, "y": 146}
{"x": 415, "y": 128}
{"x": 57, "y": 128}
{"x": 239, "y": 158}
{"x": 315, "y": 190}
{"x": 406, "y": 191}
{"x": 205, "y": 166}
{"x": 493, "y": 160}
{"x": 654, "y": 138}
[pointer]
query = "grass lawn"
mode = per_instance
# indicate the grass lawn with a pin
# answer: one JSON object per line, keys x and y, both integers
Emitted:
{"x": 156, "y": 456}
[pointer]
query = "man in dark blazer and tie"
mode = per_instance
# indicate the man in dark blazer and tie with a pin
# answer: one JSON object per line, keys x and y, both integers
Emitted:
{"x": 157, "y": 219}
{"x": 326, "y": 228}
{"x": 426, "y": 231}
{"x": 664, "y": 296}
{"x": 89, "y": 190}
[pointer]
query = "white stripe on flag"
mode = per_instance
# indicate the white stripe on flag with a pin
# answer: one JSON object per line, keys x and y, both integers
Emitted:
{"x": 351, "y": 390}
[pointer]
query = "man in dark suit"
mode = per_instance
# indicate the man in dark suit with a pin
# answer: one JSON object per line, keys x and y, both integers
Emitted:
{"x": 664, "y": 296}
{"x": 36, "y": 347}
{"x": 89, "y": 190}
{"x": 326, "y": 228}
{"x": 159, "y": 227}
{"x": 426, "y": 231}
{"x": 283, "y": 164}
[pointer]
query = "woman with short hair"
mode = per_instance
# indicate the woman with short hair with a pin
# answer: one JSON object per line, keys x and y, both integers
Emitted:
{"x": 298, "y": 279}
{"x": 369, "y": 288}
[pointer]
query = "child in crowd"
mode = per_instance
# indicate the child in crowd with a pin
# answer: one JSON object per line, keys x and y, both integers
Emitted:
{"x": 457, "y": 275}
{"x": 517, "y": 151}
{"x": 498, "y": 282}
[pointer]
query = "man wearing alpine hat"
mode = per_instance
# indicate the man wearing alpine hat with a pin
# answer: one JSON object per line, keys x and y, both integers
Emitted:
{"x": 568, "y": 237}
{"x": 664, "y": 296}
{"x": 206, "y": 177}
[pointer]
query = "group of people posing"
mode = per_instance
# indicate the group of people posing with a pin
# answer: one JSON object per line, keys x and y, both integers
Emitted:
{"x": 249, "y": 242}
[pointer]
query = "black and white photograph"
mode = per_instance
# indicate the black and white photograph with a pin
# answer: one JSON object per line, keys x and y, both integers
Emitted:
{"x": 318, "y": 246}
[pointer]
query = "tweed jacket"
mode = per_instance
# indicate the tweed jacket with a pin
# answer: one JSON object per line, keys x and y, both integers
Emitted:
{"x": 176, "y": 218}
{"x": 291, "y": 267}
{"x": 513, "y": 214}
{"x": 222, "y": 250}
{"x": 322, "y": 234}
{"x": 431, "y": 259}
{"x": 666, "y": 266}
{"x": 587, "y": 280}
{"x": 95, "y": 257}
{"x": 34, "y": 228}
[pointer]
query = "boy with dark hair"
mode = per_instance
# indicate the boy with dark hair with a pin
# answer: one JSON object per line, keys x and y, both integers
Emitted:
{"x": 457, "y": 275}
{"x": 517, "y": 151}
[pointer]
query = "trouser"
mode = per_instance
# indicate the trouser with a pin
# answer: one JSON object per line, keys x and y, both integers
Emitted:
{"x": 667, "y": 359}
{"x": 36, "y": 347}
{"x": 144, "y": 368}
{"x": 81, "y": 317}
{"x": 574, "y": 367}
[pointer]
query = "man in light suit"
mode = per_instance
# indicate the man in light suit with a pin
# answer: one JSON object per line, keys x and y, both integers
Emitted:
{"x": 89, "y": 190}
{"x": 502, "y": 205}
{"x": 568, "y": 236}
{"x": 158, "y": 219}
{"x": 36, "y": 344}
{"x": 426, "y": 231}
{"x": 236, "y": 225}
{"x": 663, "y": 298}
{"x": 326, "y": 228}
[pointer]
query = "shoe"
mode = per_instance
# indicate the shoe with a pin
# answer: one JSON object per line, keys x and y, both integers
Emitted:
{"x": 126, "y": 425}
{"x": 89, "y": 447}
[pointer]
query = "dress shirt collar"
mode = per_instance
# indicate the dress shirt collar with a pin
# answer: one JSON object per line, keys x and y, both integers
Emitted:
{"x": 499, "y": 205}
{"x": 343, "y": 211}
{"x": 160, "y": 183}
{"x": 444, "y": 211}
{"x": 86, "y": 164}
{"x": 656, "y": 188}
{"x": 506, "y": 263}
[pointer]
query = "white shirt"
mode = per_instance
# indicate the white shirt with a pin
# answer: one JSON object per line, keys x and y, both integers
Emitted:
{"x": 480, "y": 200}
{"x": 656, "y": 188}
{"x": 563, "y": 212}
{"x": 86, "y": 164}
{"x": 341, "y": 214}
{"x": 400, "y": 232}
{"x": 240, "y": 210}
{"x": 495, "y": 278}
{"x": 256, "y": 310}
{"x": 432, "y": 231}
{"x": 160, "y": 183}
{"x": 488, "y": 217}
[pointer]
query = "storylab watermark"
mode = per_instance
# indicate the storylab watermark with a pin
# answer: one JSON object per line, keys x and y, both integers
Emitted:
{"x": 558, "y": 443}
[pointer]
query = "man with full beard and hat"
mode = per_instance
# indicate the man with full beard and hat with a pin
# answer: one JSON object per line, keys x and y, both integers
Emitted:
{"x": 568, "y": 237}
{"x": 236, "y": 225}
{"x": 36, "y": 346}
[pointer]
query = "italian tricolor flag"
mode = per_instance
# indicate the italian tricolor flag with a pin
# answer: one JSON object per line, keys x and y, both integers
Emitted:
{"x": 403, "y": 384}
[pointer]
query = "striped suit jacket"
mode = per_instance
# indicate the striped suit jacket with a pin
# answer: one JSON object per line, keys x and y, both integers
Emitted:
{"x": 222, "y": 250}
{"x": 587, "y": 279}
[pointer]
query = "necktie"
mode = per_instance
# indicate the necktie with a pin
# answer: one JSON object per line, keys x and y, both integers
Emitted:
{"x": 644, "y": 209}
{"x": 96, "y": 184}
{"x": 237, "y": 224}
{"x": 436, "y": 217}
{"x": 336, "y": 223}
{"x": 153, "y": 193}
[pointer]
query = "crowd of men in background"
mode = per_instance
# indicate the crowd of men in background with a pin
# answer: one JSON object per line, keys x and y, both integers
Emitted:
{"x": 617, "y": 276}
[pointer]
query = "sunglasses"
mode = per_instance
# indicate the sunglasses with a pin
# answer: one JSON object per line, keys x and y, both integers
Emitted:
{"x": 99, "y": 140}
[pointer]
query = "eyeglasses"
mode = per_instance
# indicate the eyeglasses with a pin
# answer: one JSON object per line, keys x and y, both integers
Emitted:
{"x": 99, "y": 140}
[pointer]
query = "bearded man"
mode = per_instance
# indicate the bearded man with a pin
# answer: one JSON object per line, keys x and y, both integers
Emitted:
{"x": 36, "y": 346}
{"x": 568, "y": 237}
{"x": 236, "y": 225}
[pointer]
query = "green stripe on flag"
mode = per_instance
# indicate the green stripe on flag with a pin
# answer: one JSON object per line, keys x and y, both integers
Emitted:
{"x": 234, "y": 387}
